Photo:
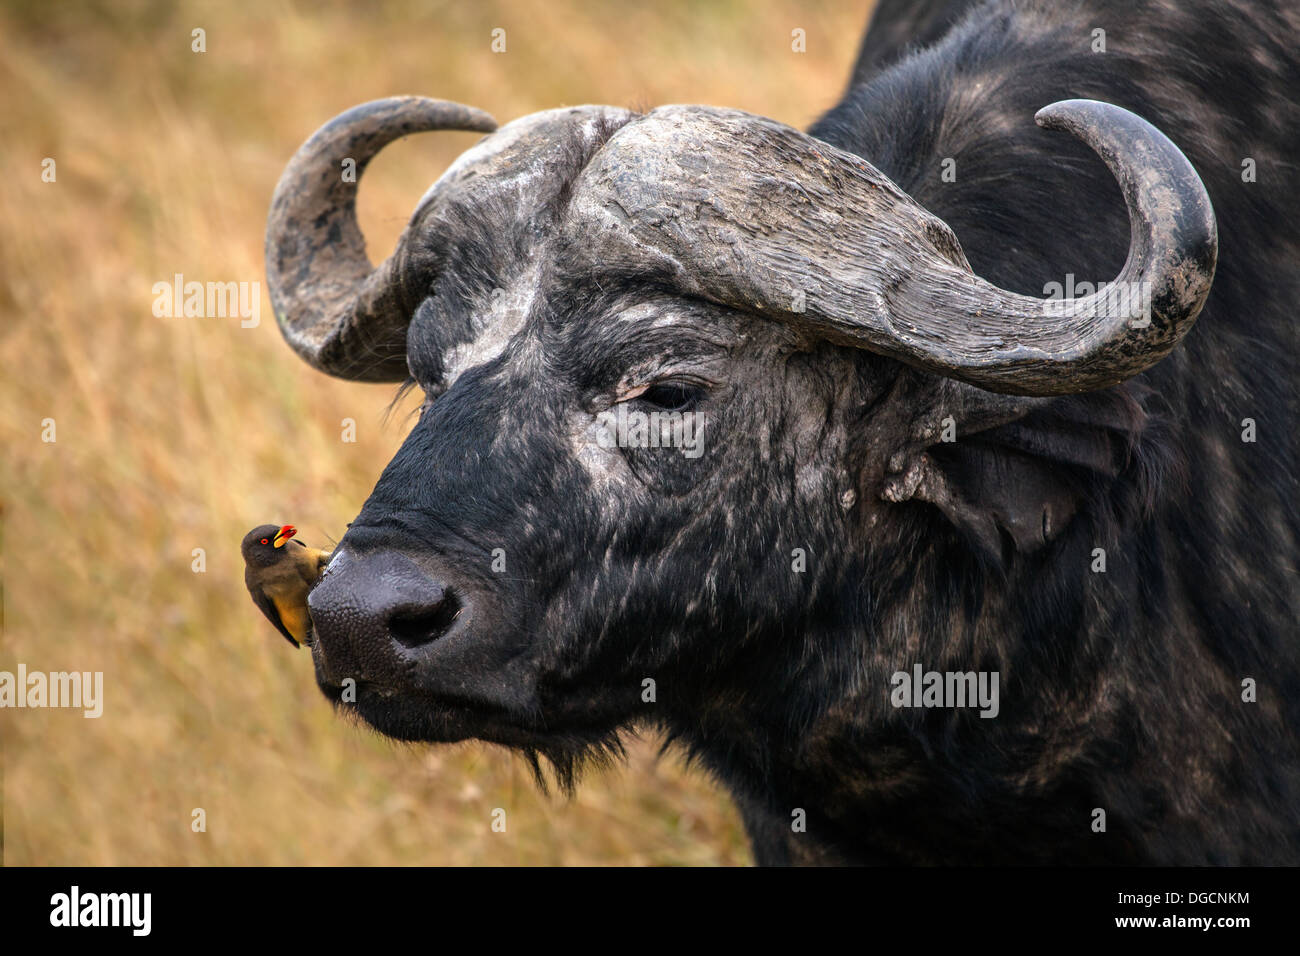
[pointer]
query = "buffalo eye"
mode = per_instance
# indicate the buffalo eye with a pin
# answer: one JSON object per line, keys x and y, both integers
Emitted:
{"x": 671, "y": 396}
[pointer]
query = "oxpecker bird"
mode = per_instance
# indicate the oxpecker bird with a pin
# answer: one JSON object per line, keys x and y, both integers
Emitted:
{"x": 279, "y": 571}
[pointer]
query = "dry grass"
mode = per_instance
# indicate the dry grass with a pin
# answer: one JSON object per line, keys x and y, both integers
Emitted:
{"x": 175, "y": 434}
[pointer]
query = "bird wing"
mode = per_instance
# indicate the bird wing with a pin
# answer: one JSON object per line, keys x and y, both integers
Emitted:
{"x": 295, "y": 617}
{"x": 267, "y": 607}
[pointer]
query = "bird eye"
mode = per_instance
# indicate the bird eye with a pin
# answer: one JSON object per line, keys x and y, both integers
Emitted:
{"x": 266, "y": 541}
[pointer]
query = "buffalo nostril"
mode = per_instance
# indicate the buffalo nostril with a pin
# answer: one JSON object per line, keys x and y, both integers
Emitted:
{"x": 414, "y": 625}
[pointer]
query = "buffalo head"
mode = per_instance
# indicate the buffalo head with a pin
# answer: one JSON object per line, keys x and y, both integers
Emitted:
{"x": 683, "y": 375}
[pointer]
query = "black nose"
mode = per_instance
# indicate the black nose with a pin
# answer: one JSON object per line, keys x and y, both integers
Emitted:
{"x": 371, "y": 610}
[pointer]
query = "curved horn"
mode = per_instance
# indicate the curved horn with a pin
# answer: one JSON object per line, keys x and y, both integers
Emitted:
{"x": 341, "y": 314}
{"x": 1056, "y": 346}
{"x": 755, "y": 215}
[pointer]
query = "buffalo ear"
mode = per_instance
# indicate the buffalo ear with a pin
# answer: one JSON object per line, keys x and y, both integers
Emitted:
{"x": 1012, "y": 474}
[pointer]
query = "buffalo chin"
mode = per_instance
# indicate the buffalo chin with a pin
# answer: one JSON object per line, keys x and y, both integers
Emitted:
{"x": 417, "y": 717}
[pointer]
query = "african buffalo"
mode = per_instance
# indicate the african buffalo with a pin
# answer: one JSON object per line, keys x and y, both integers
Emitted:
{"x": 839, "y": 456}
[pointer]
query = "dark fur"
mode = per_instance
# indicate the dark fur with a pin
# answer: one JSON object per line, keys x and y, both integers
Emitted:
{"x": 1120, "y": 691}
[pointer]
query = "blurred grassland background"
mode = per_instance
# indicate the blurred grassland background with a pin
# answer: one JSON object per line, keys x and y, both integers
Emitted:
{"x": 175, "y": 434}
